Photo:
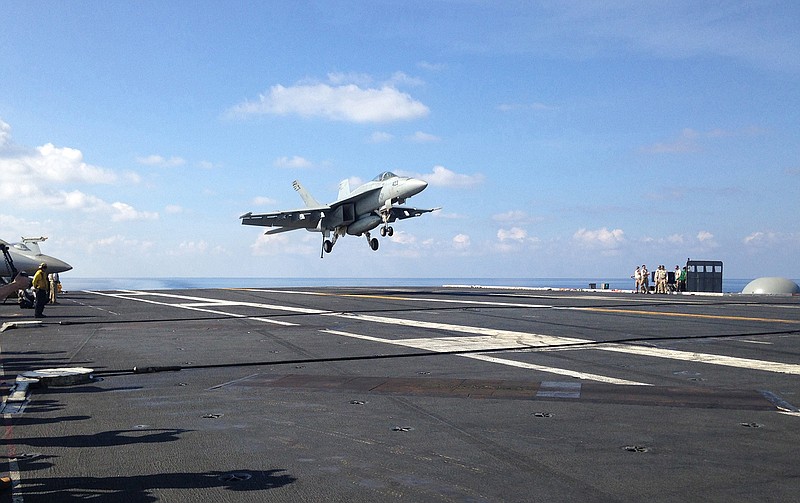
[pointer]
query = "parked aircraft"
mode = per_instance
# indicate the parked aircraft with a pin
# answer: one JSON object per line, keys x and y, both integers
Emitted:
{"x": 26, "y": 256}
{"x": 355, "y": 213}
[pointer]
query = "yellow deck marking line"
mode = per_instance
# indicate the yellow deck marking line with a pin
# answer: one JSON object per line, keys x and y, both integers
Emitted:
{"x": 684, "y": 315}
{"x": 411, "y": 299}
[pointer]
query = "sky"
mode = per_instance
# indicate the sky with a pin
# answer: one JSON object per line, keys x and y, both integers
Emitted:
{"x": 560, "y": 139}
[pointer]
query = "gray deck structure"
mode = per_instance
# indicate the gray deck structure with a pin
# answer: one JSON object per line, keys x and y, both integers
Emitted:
{"x": 405, "y": 394}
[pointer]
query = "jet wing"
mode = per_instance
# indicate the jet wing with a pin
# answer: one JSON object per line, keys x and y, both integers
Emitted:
{"x": 402, "y": 212}
{"x": 306, "y": 218}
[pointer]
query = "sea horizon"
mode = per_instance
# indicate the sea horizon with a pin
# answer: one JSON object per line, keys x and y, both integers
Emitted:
{"x": 734, "y": 285}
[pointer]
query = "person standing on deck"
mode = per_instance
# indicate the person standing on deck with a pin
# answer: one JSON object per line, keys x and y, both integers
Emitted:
{"x": 41, "y": 285}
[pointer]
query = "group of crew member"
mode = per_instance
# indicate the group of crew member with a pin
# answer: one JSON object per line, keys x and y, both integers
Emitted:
{"x": 661, "y": 280}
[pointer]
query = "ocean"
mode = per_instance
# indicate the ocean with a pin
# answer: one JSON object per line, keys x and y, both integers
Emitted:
{"x": 70, "y": 283}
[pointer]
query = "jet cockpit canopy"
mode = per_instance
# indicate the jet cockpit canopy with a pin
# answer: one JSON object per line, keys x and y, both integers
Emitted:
{"x": 384, "y": 176}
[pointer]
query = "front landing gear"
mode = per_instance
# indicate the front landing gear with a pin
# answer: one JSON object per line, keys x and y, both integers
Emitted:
{"x": 387, "y": 230}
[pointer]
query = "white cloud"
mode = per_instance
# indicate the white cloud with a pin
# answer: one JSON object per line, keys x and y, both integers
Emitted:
{"x": 336, "y": 101}
{"x": 403, "y": 79}
{"x": 40, "y": 178}
{"x": 403, "y": 238}
{"x": 510, "y": 216}
{"x": 173, "y": 209}
{"x": 771, "y": 239}
{"x": 704, "y": 236}
{"x": 443, "y": 177}
{"x": 294, "y": 162}
{"x": 599, "y": 238}
{"x": 380, "y": 137}
{"x": 461, "y": 242}
{"x": 78, "y": 200}
{"x": 119, "y": 242}
{"x": 206, "y": 165}
{"x": 342, "y": 78}
{"x": 160, "y": 161}
{"x": 201, "y": 247}
{"x": 513, "y": 234}
{"x": 759, "y": 237}
{"x": 13, "y": 222}
{"x": 515, "y": 217}
{"x": 5, "y": 134}
{"x": 48, "y": 164}
{"x": 420, "y": 137}
{"x": 126, "y": 212}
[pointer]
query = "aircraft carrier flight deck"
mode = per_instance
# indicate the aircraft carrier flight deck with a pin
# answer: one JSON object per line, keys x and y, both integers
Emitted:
{"x": 401, "y": 394}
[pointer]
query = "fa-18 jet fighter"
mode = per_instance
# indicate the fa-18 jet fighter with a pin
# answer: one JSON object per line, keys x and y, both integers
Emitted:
{"x": 354, "y": 212}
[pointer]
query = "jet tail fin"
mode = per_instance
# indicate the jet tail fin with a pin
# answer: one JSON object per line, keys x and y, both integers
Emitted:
{"x": 307, "y": 198}
{"x": 344, "y": 189}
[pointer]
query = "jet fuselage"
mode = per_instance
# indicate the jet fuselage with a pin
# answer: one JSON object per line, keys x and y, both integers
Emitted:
{"x": 27, "y": 257}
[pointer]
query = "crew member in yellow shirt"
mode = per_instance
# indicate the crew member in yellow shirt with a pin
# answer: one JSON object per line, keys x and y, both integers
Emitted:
{"x": 40, "y": 284}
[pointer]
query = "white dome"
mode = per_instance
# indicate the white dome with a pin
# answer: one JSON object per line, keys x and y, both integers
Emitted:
{"x": 772, "y": 286}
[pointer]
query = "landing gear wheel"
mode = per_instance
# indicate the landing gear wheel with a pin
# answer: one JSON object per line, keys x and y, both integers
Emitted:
{"x": 373, "y": 243}
{"x": 327, "y": 246}
{"x": 389, "y": 231}
{"x": 383, "y": 232}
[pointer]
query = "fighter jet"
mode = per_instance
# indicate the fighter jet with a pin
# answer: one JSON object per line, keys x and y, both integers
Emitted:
{"x": 26, "y": 256}
{"x": 355, "y": 213}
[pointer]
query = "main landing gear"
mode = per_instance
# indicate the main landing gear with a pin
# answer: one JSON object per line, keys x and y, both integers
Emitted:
{"x": 373, "y": 242}
{"x": 327, "y": 244}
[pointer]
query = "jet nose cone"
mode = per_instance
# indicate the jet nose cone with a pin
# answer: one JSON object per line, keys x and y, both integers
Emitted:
{"x": 415, "y": 186}
{"x": 54, "y": 265}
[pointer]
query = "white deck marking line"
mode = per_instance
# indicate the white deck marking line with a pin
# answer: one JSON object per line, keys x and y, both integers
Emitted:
{"x": 293, "y": 309}
{"x": 690, "y": 356}
{"x": 537, "y": 340}
{"x": 212, "y": 311}
{"x": 570, "y": 373}
{"x": 445, "y": 344}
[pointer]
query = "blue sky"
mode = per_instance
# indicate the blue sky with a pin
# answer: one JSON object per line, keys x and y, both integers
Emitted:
{"x": 561, "y": 139}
